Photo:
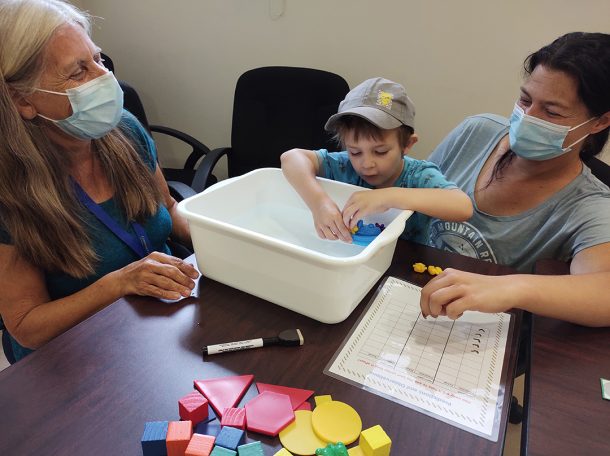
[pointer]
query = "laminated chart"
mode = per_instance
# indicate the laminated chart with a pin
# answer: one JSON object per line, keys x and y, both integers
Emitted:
{"x": 448, "y": 369}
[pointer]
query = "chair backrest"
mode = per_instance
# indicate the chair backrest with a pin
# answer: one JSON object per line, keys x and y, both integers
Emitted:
{"x": 133, "y": 104}
{"x": 279, "y": 108}
{"x": 599, "y": 169}
{"x": 131, "y": 99}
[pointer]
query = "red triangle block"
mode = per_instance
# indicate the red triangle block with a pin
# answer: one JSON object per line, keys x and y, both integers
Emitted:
{"x": 224, "y": 392}
{"x": 297, "y": 396}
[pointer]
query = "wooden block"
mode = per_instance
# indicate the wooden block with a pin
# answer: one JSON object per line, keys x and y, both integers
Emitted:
{"x": 251, "y": 449}
{"x": 193, "y": 407}
{"x": 200, "y": 445}
{"x": 221, "y": 451}
{"x": 230, "y": 438}
{"x": 179, "y": 435}
{"x": 234, "y": 417}
{"x": 153, "y": 438}
{"x": 208, "y": 428}
{"x": 375, "y": 442}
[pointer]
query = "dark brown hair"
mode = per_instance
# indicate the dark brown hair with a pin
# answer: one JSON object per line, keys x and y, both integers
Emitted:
{"x": 359, "y": 126}
{"x": 586, "y": 58}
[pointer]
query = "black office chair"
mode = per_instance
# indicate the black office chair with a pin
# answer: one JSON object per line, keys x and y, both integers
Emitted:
{"x": 275, "y": 109}
{"x": 179, "y": 179}
{"x": 599, "y": 169}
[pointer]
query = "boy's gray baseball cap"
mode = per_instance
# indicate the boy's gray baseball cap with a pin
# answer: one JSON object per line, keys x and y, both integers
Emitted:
{"x": 380, "y": 101}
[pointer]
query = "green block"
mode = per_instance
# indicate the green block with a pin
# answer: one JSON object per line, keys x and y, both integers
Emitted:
{"x": 251, "y": 449}
{"x": 222, "y": 451}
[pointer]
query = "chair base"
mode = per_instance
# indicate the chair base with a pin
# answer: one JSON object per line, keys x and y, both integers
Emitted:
{"x": 515, "y": 413}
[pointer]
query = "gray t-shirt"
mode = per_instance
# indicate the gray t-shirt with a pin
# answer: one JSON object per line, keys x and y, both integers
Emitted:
{"x": 573, "y": 219}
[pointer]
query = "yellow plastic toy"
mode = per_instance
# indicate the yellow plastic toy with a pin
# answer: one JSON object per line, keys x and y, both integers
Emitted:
{"x": 419, "y": 267}
{"x": 434, "y": 270}
{"x": 336, "y": 421}
{"x": 299, "y": 437}
{"x": 322, "y": 399}
{"x": 283, "y": 452}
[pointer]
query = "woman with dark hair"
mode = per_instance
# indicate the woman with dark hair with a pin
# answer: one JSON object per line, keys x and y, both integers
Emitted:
{"x": 533, "y": 196}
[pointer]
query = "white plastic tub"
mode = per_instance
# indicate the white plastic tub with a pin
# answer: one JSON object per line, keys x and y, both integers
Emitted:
{"x": 254, "y": 233}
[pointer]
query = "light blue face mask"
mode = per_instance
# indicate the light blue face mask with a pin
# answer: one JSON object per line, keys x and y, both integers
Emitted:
{"x": 97, "y": 106}
{"x": 536, "y": 139}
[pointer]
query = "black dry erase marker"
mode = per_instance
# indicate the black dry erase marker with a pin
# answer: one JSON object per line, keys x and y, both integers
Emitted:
{"x": 287, "y": 338}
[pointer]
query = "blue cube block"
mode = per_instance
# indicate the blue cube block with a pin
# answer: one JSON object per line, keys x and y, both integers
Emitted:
{"x": 251, "y": 449}
{"x": 208, "y": 428}
{"x": 230, "y": 437}
{"x": 153, "y": 438}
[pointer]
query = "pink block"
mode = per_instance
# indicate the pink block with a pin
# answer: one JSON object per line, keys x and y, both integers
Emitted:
{"x": 179, "y": 435}
{"x": 193, "y": 407}
{"x": 224, "y": 392}
{"x": 304, "y": 406}
{"x": 269, "y": 413}
{"x": 234, "y": 417}
{"x": 297, "y": 395}
{"x": 200, "y": 445}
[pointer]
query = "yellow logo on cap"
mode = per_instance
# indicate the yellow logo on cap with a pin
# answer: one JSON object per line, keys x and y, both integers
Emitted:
{"x": 384, "y": 99}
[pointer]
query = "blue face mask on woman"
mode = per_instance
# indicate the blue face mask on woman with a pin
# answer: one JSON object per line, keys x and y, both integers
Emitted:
{"x": 536, "y": 139}
{"x": 96, "y": 107}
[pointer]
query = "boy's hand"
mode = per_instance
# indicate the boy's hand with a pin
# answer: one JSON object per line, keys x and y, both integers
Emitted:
{"x": 329, "y": 223}
{"x": 364, "y": 203}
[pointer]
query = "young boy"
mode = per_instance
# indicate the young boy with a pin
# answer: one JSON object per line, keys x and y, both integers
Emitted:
{"x": 375, "y": 125}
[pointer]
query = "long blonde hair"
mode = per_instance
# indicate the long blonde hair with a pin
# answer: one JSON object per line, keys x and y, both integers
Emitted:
{"x": 37, "y": 202}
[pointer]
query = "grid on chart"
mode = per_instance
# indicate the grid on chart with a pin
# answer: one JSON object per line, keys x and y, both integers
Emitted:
{"x": 436, "y": 351}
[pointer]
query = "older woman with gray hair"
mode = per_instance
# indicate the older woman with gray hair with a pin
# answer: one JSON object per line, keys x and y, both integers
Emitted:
{"x": 85, "y": 212}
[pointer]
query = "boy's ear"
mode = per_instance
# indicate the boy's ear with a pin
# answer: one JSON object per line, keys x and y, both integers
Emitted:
{"x": 412, "y": 141}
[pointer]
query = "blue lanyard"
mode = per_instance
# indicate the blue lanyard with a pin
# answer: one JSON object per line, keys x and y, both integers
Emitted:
{"x": 139, "y": 242}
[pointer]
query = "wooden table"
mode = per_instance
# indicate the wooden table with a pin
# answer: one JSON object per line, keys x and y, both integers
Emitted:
{"x": 90, "y": 390}
{"x": 567, "y": 415}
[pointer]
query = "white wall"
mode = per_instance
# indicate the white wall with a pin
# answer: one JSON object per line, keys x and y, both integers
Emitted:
{"x": 455, "y": 58}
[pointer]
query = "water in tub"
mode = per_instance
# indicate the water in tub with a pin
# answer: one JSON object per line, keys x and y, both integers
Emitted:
{"x": 293, "y": 225}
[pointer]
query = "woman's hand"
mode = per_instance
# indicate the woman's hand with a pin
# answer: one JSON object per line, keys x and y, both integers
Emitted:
{"x": 363, "y": 203}
{"x": 158, "y": 275}
{"x": 329, "y": 223}
{"x": 453, "y": 292}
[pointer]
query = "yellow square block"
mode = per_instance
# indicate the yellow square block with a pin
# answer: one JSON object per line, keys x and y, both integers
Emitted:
{"x": 321, "y": 399}
{"x": 375, "y": 442}
{"x": 283, "y": 452}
